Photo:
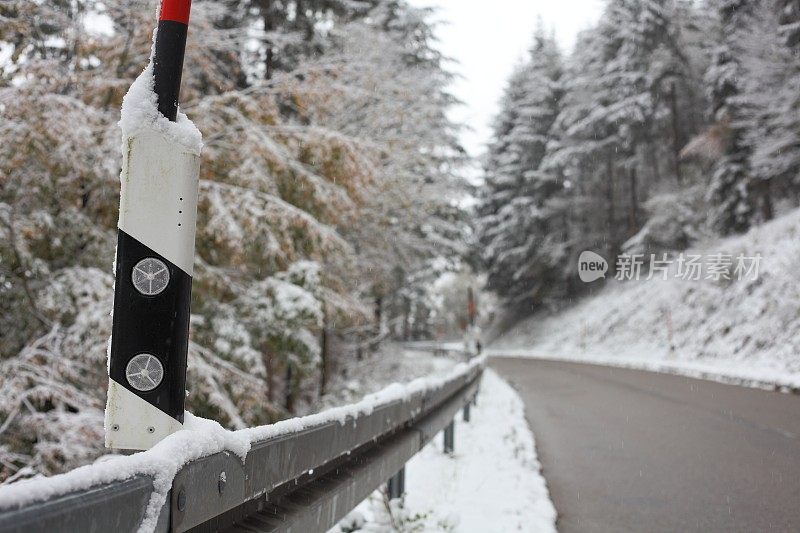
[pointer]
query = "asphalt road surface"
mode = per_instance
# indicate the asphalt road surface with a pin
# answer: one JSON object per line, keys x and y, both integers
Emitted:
{"x": 629, "y": 450}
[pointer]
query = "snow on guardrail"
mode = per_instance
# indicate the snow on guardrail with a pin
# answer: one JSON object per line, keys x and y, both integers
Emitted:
{"x": 200, "y": 438}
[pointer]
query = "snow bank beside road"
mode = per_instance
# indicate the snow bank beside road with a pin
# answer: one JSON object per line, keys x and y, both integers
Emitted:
{"x": 744, "y": 331}
{"x": 491, "y": 483}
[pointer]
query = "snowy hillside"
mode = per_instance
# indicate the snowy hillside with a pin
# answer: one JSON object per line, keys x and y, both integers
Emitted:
{"x": 744, "y": 330}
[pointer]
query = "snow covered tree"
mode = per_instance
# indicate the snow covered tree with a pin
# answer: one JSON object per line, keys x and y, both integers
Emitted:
{"x": 770, "y": 100}
{"x": 519, "y": 220}
{"x": 387, "y": 91}
{"x": 631, "y": 97}
{"x": 621, "y": 94}
{"x": 733, "y": 191}
{"x": 676, "y": 119}
{"x": 304, "y": 174}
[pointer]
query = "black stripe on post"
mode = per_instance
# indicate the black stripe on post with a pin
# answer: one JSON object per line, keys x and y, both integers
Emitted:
{"x": 156, "y": 325}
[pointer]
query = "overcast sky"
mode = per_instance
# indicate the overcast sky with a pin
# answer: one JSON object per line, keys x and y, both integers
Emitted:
{"x": 488, "y": 38}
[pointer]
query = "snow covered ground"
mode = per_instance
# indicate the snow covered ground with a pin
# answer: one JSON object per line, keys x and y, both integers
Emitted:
{"x": 492, "y": 483}
{"x": 743, "y": 331}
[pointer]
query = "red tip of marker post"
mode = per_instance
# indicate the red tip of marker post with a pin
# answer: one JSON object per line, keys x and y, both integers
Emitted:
{"x": 175, "y": 10}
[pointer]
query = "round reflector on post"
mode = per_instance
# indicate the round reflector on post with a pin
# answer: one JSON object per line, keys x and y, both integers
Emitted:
{"x": 150, "y": 276}
{"x": 144, "y": 372}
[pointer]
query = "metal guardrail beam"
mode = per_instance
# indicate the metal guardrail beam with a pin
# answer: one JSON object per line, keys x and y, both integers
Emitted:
{"x": 301, "y": 481}
{"x": 440, "y": 349}
{"x": 275, "y": 462}
{"x": 320, "y": 503}
{"x": 112, "y": 507}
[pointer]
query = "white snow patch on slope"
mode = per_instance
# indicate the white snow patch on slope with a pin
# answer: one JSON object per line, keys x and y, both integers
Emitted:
{"x": 491, "y": 483}
{"x": 200, "y": 438}
{"x": 745, "y": 332}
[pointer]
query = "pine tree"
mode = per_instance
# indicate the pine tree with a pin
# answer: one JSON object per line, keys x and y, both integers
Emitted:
{"x": 733, "y": 192}
{"x": 770, "y": 99}
{"x": 579, "y": 152}
{"x": 517, "y": 214}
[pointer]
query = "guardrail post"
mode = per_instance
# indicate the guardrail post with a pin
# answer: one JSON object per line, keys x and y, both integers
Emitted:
{"x": 396, "y": 485}
{"x": 466, "y": 412}
{"x": 450, "y": 437}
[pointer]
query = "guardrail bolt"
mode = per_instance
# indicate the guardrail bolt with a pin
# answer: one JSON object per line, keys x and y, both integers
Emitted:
{"x": 450, "y": 437}
{"x": 182, "y": 500}
{"x": 221, "y": 482}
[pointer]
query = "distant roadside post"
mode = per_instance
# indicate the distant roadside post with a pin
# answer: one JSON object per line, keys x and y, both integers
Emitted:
{"x": 473, "y": 336}
{"x": 155, "y": 254}
{"x": 471, "y": 309}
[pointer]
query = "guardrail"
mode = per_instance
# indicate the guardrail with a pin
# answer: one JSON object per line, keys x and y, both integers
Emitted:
{"x": 441, "y": 348}
{"x": 302, "y": 479}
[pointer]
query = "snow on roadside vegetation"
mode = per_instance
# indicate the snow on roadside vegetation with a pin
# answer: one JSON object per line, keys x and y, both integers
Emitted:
{"x": 744, "y": 331}
{"x": 491, "y": 483}
{"x": 200, "y": 438}
{"x": 392, "y": 363}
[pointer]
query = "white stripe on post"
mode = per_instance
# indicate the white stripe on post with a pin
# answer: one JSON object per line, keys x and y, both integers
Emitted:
{"x": 158, "y": 206}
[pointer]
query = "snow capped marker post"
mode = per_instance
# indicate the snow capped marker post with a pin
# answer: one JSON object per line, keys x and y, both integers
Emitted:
{"x": 155, "y": 248}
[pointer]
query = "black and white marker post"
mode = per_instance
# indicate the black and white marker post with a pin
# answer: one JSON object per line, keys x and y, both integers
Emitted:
{"x": 155, "y": 254}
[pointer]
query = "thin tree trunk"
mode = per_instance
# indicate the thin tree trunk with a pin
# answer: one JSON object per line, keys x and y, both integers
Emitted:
{"x": 406, "y": 318}
{"x": 269, "y": 26}
{"x": 633, "y": 216}
{"x": 676, "y": 143}
{"x": 569, "y": 290}
{"x": 323, "y": 376}
{"x": 472, "y": 309}
{"x": 378, "y": 314}
{"x": 610, "y": 211}
{"x": 653, "y": 159}
{"x": 270, "y": 369}
{"x": 378, "y": 321}
{"x": 767, "y": 210}
{"x": 289, "y": 398}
